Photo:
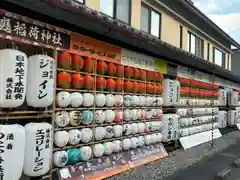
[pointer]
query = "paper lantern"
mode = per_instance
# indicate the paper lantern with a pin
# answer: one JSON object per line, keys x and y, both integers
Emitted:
{"x": 134, "y": 141}
{"x": 142, "y": 88}
{"x": 184, "y": 81}
{"x": 100, "y": 100}
{"x": 75, "y": 117}
{"x": 64, "y": 60}
{"x": 61, "y": 138}
{"x": 128, "y": 86}
{"x": 127, "y": 129}
{"x": 64, "y": 80}
{"x": 12, "y": 140}
{"x": 108, "y": 148}
{"x": 118, "y": 100}
{"x": 77, "y": 62}
{"x": 158, "y": 77}
{"x": 85, "y": 153}
{"x": 119, "y": 70}
{"x": 76, "y": 99}
{"x": 117, "y": 146}
{"x": 169, "y": 90}
{"x": 126, "y": 144}
{"x": 150, "y": 75}
{"x": 127, "y": 115}
{"x": 170, "y": 127}
{"x": 62, "y": 119}
{"x": 74, "y": 136}
{"x": 77, "y": 81}
{"x": 98, "y": 150}
{"x": 111, "y": 69}
{"x": 87, "y": 135}
{"x": 117, "y": 130}
{"x": 99, "y": 133}
{"x": 135, "y": 86}
{"x": 143, "y": 74}
{"x": 110, "y": 115}
{"x": 119, "y": 85}
{"x": 111, "y": 84}
{"x": 118, "y": 116}
{"x": 73, "y": 155}
{"x": 63, "y": 99}
{"x": 87, "y": 117}
{"x": 88, "y": 81}
{"x": 141, "y": 100}
{"x": 136, "y": 73}
{"x": 134, "y": 128}
{"x": 148, "y": 139}
{"x": 101, "y": 67}
{"x": 127, "y": 100}
{"x": 150, "y": 88}
{"x": 128, "y": 72}
{"x": 60, "y": 158}
{"x": 100, "y": 83}
{"x": 109, "y": 132}
{"x": 88, "y": 64}
{"x": 135, "y": 100}
{"x": 110, "y": 100}
{"x": 38, "y": 149}
{"x": 141, "y": 141}
{"x": 141, "y": 127}
{"x": 40, "y": 81}
{"x": 99, "y": 116}
{"x": 13, "y": 78}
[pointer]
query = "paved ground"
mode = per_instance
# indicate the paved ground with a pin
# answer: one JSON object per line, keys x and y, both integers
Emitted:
{"x": 179, "y": 160}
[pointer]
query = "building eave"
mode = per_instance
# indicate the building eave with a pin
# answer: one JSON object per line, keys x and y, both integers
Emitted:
{"x": 89, "y": 22}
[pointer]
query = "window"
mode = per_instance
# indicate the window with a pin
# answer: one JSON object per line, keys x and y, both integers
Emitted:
{"x": 150, "y": 21}
{"x": 118, "y": 9}
{"x": 195, "y": 45}
{"x": 208, "y": 51}
{"x": 218, "y": 57}
{"x": 181, "y": 36}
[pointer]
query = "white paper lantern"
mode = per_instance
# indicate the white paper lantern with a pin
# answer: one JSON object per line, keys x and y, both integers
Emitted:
{"x": 63, "y": 99}
{"x": 117, "y": 146}
{"x": 76, "y": 99}
{"x": 159, "y": 114}
{"x": 169, "y": 92}
{"x": 148, "y": 139}
{"x": 109, "y": 132}
{"x": 142, "y": 114}
{"x": 60, "y": 158}
{"x": 141, "y": 127}
{"x": 154, "y": 100}
{"x": 99, "y": 116}
{"x": 142, "y": 100}
{"x": 159, "y": 137}
{"x": 13, "y": 78}
{"x": 127, "y": 129}
{"x": 108, "y": 148}
{"x": 148, "y": 126}
{"x": 85, "y": 153}
{"x": 118, "y": 100}
{"x": 100, "y": 100}
{"x": 149, "y": 114}
{"x": 134, "y": 128}
{"x": 170, "y": 129}
{"x": 135, "y": 100}
{"x": 117, "y": 130}
{"x": 38, "y": 149}
{"x": 98, "y": 150}
{"x": 88, "y": 99}
{"x": 74, "y": 136}
{"x": 134, "y": 142}
{"x": 87, "y": 135}
{"x": 159, "y": 101}
{"x": 61, "y": 138}
{"x": 99, "y": 133}
{"x": 127, "y": 100}
{"x": 141, "y": 141}
{"x": 154, "y": 138}
{"x": 126, "y": 144}
{"x": 12, "y": 147}
{"x": 109, "y": 115}
{"x": 127, "y": 115}
{"x": 75, "y": 117}
{"x": 62, "y": 119}
{"x": 135, "y": 114}
{"x": 40, "y": 81}
{"x": 149, "y": 101}
{"x": 110, "y": 100}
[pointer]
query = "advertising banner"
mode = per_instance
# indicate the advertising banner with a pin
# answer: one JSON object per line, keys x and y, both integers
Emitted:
{"x": 86, "y": 46}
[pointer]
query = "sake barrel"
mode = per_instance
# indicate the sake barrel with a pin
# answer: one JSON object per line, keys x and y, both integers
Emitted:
{"x": 38, "y": 149}
{"x": 12, "y": 140}
{"x": 13, "y": 78}
{"x": 40, "y": 81}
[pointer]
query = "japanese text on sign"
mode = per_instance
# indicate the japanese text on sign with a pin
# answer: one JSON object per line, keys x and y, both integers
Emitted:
{"x": 19, "y": 75}
{"x": 46, "y": 69}
{"x": 20, "y": 28}
{"x": 40, "y": 146}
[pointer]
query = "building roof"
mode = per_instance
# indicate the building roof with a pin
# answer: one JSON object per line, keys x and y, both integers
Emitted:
{"x": 190, "y": 6}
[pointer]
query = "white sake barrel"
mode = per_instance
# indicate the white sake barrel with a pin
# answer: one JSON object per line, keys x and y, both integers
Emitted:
{"x": 40, "y": 81}
{"x": 38, "y": 150}
{"x": 13, "y": 78}
{"x": 12, "y": 146}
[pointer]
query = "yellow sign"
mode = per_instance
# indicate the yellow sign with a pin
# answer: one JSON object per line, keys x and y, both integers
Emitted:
{"x": 161, "y": 66}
